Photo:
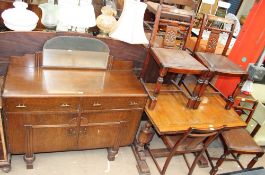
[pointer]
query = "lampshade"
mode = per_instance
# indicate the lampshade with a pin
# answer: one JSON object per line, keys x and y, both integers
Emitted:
{"x": 82, "y": 15}
{"x": 130, "y": 25}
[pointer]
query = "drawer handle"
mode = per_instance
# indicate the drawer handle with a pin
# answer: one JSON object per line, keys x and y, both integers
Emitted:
{"x": 64, "y": 105}
{"x": 133, "y": 103}
{"x": 96, "y": 104}
{"x": 21, "y": 106}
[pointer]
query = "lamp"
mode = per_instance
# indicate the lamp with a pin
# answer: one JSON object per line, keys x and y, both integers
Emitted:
{"x": 130, "y": 25}
{"x": 20, "y": 18}
{"x": 82, "y": 15}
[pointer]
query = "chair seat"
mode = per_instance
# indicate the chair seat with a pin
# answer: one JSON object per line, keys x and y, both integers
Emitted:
{"x": 170, "y": 141}
{"x": 240, "y": 140}
{"x": 178, "y": 60}
{"x": 170, "y": 11}
{"x": 219, "y": 63}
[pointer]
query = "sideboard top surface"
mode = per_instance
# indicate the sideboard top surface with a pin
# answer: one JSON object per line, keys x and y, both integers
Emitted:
{"x": 40, "y": 82}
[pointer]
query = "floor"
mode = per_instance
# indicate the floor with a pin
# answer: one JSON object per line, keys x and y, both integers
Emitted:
{"x": 94, "y": 162}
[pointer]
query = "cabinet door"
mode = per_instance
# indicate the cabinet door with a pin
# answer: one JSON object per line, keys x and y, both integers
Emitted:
{"x": 41, "y": 132}
{"x": 108, "y": 128}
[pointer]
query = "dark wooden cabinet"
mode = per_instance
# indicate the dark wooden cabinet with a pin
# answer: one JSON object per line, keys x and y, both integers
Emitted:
{"x": 44, "y": 115}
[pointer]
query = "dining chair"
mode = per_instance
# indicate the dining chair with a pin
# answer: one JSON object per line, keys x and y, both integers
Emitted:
{"x": 239, "y": 141}
{"x": 171, "y": 56}
{"x": 219, "y": 64}
{"x": 192, "y": 141}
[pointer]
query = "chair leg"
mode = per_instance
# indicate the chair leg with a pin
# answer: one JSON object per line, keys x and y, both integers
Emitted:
{"x": 159, "y": 82}
{"x": 219, "y": 163}
{"x": 146, "y": 62}
{"x": 254, "y": 160}
{"x": 183, "y": 76}
{"x": 167, "y": 162}
{"x": 198, "y": 156}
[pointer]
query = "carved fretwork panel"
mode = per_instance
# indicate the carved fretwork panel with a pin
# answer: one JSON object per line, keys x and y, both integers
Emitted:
{"x": 175, "y": 37}
{"x": 212, "y": 41}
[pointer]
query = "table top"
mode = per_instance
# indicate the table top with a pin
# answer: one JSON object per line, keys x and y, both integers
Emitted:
{"x": 171, "y": 115}
{"x": 36, "y": 82}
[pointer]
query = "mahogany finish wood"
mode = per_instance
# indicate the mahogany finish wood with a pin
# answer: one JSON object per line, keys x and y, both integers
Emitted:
{"x": 239, "y": 141}
{"x": 165, "y": 119}
{"x": 219, "y": 64}
{"x": 82, "y": 109}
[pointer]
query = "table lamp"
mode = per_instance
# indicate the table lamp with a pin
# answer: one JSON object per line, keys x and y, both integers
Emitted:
{"x": 130, "y": 24}
{"x": 82, "y": 15}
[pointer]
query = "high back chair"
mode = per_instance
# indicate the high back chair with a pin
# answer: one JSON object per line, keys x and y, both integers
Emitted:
{"x": 219, "y": 64}
{"x": 192, "y": 141}
{"x": 240, "y": 141}
{"x": 171, "y": 55}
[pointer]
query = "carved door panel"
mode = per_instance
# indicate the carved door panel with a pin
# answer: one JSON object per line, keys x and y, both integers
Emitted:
{"x": 42, "y": 132}
{"x": 108, "y": 128}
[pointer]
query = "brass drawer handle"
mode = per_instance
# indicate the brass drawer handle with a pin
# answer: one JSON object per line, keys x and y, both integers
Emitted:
{"x": 72, "y": 132}
{"x": 21, "y": 106}
{"x": 96, "y": 104}
{"x": 64, "y": 105}
{"x": 133, "y": 103}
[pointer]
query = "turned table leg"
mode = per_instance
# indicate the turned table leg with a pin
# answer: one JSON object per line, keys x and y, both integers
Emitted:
{"x": 144, "y": 137}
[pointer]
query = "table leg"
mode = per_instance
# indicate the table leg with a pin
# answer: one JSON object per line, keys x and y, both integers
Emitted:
{"x": 144, "y": 137}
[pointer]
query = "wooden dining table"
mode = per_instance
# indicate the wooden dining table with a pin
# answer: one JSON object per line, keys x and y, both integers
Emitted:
{"x": 171, "y": 116}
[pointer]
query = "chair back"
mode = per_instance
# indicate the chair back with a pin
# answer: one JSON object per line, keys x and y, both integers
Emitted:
{"x": 194, "y": 137}
{"x": 174, "y": 32}
{"x": 212, "y": 24}
{"x": 246, "y": 108}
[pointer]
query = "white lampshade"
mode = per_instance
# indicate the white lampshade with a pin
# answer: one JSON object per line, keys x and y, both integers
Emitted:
{"x": 130, "y": 25}
{"x": 82, "y": 15}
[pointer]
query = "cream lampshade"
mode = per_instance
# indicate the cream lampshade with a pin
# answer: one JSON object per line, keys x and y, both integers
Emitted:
{"x": 82, "y": 15}
{"x": 130, "y": 25}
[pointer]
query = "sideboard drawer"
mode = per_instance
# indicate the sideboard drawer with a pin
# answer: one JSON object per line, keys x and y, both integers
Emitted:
{"x": 41, "y": 104}
{"x": 101, "y": 103}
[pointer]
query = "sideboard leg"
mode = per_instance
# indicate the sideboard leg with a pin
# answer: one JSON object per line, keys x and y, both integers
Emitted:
{"x": 112, "y": 152}
{"x": 29, "y": 156}
{"x": 29, "y": 161}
